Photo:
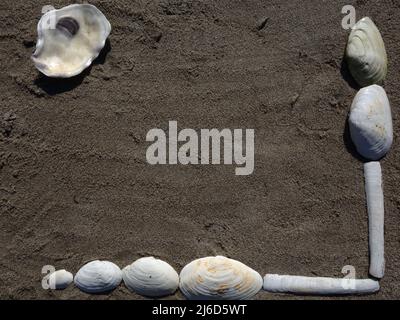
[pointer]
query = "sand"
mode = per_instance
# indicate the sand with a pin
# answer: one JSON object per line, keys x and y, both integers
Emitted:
{"x": 74, "y": 181}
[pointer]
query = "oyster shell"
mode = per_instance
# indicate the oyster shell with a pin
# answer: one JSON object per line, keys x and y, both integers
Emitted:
{"x": 219, "y": 278}
{"x": 60, "y": 279}
{"x": 98, "y": 277}
{"x": 65, "y": 49}
{"x": 151, "y": 277}
{"x": 370, "y": 122}
{"x": 366, "y": 53}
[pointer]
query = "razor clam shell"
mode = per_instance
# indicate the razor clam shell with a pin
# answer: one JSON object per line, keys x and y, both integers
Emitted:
{"x": 60, "y": 56}
{"x": 151, "y": 277}
{"x": 370, "y": 123}
{"x": 366, "y": 54}
{"x": 376, "y": 218}
{"x": 60, "y": 279}
{"x": 219, "y": 278}
{"x": 318, "y": 285}
{"x": 98, "y": 277}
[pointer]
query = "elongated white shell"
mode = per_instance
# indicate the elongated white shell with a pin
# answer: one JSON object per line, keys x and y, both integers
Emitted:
{"x": 219, "y": 278}
{"x": 60, "y": 279}
{"x": 318, "y": 285}
{"x": 63, "y": 54}
{"x": 376, "y": 219}
{"x": 98, "y": 277}
{"x": 151, "y": 277}
{"x": 370, "y": 122}
{"x": 366, "y": 53}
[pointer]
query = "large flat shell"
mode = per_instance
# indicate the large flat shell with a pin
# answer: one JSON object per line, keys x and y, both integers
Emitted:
{"x": 98, "y": 277}
{"x": 370, "y": 122}
{"x": 219, "y": 278}
{"x": 366, "y": 53}
{"x": 151, "y": 277}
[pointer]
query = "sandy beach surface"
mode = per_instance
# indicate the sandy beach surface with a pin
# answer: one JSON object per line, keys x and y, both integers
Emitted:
{"x": 74, "y": 181}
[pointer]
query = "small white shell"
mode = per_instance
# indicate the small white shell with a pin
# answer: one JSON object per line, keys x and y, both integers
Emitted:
{"x": 98, "y": 277}
{"x": 376, "y": 218}
{"x": 60, "y": 279}
{"x": 366, "y": 53}
{"x": 219, "y": 278}
{"x": 61, "y": 53}
{"x": 318, "y": 285}
{"x": 370, "y": 122}
{"x": 151, "y": 277}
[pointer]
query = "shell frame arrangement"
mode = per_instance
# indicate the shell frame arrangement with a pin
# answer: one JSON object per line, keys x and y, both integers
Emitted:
{"x": 70, "y": 39}
{"x": 80, "y": 34}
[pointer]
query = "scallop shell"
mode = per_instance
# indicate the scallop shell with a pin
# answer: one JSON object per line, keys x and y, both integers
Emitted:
{"x": 151, "y": 277}
{"x": 75, "y": 39}
{"x": 370, "y": 122}
{"x": 98, "y": 277}
{"x": 366, "y": 53}
{"x": 219, "y": 278}
{"x": 60, "y": 279}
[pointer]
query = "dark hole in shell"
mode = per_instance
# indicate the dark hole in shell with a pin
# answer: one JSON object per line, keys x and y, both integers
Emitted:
{"x": 68, "y": 25}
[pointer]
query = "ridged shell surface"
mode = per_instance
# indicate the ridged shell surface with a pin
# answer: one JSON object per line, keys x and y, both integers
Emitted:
{"x": 69, "y": 39}
{"x": 366, "y": 53}
{"x": 98, "y": 277}
{"x": 219, "y": 278}
{"x": 60, "y": 279}
{"x": 370, "y": 123}
{"x": 151, "y": 277}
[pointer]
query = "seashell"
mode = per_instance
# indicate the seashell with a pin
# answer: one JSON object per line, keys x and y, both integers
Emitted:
{"x": 151, "y": 277}
{"x": 69, "y": 39}
{"x": 60, "y": 279}
{"x": 370, "y": 122}
{"x": 376, "y": 219}
{"x": 366, "y": 53}
{"x": 98, "y": 277}
{"x": 219, "y": 278}
{"x": 318, "y": 285}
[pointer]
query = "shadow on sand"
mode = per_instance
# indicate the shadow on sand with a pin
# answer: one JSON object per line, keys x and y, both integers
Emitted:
{"x": 348, "y": 142}
{"x": 54, "y": 86}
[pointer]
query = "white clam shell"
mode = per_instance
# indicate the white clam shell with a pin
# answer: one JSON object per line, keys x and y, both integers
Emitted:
{"x": 151, "y": 277}
{"x": 366, "y": 53}
{"x": 219, "y": 278}
{"x": 98, "y": 277}
{"x": 370, "y": 122}
{"x": 60, "y": 279}
{"x": 63, "y": 55}
{"x": 376, "y": 218}
{"x": 318, "y": 285}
